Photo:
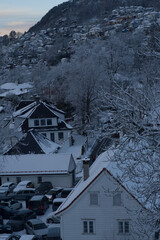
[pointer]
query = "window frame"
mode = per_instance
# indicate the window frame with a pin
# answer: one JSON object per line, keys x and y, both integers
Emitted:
{"x": 60, "y": 138}
{"x": 39, "y": 179}
{"x": 92, "y": 201}
{"x": 36, "y": 123}
{"x": 90, "y": 224}
{"x": 43, "y": 122}
{"x": 115, "y": 201}
{"x": 124, "y": 226}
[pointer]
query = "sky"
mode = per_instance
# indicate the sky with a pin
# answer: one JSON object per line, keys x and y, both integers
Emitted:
{"x": 20, "y": 15}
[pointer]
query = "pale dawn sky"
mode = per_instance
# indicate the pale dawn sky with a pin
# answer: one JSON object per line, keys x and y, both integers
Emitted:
{"x": 20, "y": 15}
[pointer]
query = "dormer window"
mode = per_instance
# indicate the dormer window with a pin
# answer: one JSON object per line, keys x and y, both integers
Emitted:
{"x": 43, "y": 122}
{"x": 36, "y": 122}
{"x": 49, "y": 122}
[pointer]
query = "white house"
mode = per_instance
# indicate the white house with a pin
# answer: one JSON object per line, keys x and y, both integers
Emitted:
{"x": 56, "y": 168}
{"x": 100, "y": 208}
{"x": 45, "y": 118}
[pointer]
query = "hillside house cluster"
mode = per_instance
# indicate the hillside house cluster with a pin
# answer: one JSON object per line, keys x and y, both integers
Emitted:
{"x": 28, "y": 49}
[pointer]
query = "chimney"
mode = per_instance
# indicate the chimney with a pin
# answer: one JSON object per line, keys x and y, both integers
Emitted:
{"x": 85, "y": 168}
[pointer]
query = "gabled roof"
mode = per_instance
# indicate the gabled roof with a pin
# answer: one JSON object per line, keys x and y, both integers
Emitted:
{"x": 37, "y": 110}
{"x": 33, "y": 142}
{"x": 36, "y": 164}
{"x": 102, "y": 165}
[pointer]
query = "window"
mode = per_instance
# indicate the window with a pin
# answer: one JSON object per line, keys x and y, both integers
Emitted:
{"x": 60, "y": 135}
{"x": 123, "y": 226}
{"x": 88, "y": 226}
{"x": 18, "y": 179}
{"x": 94, "y": 198}
{"x": 117, "y": 201}
{"x": 43, "y": 122}
{"x": 39, "y": 179}
{"x": 52, "y": 137}
{"x": 36, "y": 122}
{"x": 49, "y": 122}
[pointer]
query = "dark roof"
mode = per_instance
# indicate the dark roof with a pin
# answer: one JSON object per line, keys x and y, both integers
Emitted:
{"x": 23, "y": 104}
{"x": 31, "y": 142}
{"x": 42, "y": 111}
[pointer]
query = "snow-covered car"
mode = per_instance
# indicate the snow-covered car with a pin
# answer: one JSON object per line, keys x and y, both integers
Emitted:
{"x": 22, "y": 185}
{"x": 53, "y": 193}
{"x": 36, "y": 227}
{"x": 51, "y": 218}
{"x": 29, "y": 237}
{"x": 8, "y": 185}
{"x": 13, "y": 204}
{"x": 56, "y": 203}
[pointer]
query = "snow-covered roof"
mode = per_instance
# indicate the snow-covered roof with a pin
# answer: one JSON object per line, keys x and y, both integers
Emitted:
{"x": 36, "y": 164}
{"x": 45, "y": 144}
{"x": 33, "y": 142}
{"x": 14, "y": 86}
{"x": 103, "y": 163}
{"x": 29, "y": 109}
{"x": 16, "y": 89}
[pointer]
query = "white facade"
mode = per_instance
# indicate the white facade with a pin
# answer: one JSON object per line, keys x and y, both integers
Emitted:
{"x": 109, "y": 219}
{"x": 53, "y": 122}
{"x": 57, "y": 168}
{"x": 57, "y": 180}
{"x": 58, "y": 137}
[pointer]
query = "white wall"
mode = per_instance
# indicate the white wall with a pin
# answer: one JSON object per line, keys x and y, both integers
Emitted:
{"x": 31, "y": 122}
{"x": 105, "y": 214}
{"x": 57, "y": 180}
{"x": 66, "y": 134}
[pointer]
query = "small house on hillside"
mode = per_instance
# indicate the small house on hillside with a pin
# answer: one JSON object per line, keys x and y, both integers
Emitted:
{"x": 56, "y": 168}
{"x": 45, "y": 118}
{"x": 33, "y": 142}
{"x": 101, "y": 208}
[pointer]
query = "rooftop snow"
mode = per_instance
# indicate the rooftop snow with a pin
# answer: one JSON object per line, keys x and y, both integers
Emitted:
{"x": 35, "y": 164}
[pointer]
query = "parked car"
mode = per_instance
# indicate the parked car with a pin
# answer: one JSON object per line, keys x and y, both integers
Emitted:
{"x": 1, "y": 220}
{"x": 54, "y": 233}
{"x": 29, "y": 237}
{"x": 51, "y": 218}
{"x": 13, "y": 204}
{"x": 65, "y": 192}
{"x": 43, "y": 187}
{"x": 23, "y": 194}
{"x": 38, "y": 204}
{"x": 56, "y": 203}
{"x": 17, "y": 222}
{"x": 5, "y": 228}
{"x": 53, "y": 193}
{"x": 4, "y": 191}
{"x": 22, "y": 185}
{"x": 9, "y": 237}
{"x": 6, "y": 212}
{"x": 36, "y": 227}
{"x": 9, "y": 185}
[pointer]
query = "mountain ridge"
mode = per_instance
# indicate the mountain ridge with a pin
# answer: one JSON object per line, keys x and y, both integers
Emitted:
{"x": 84, "y": 11}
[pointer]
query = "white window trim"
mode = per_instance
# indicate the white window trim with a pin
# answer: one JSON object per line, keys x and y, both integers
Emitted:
{"x": 117, "y": 205}
{"x": 93, "y": 192}
{"x": 45, "y": 125}
{"x": 88, "y": 231}
{"x": 124, "y": 220}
